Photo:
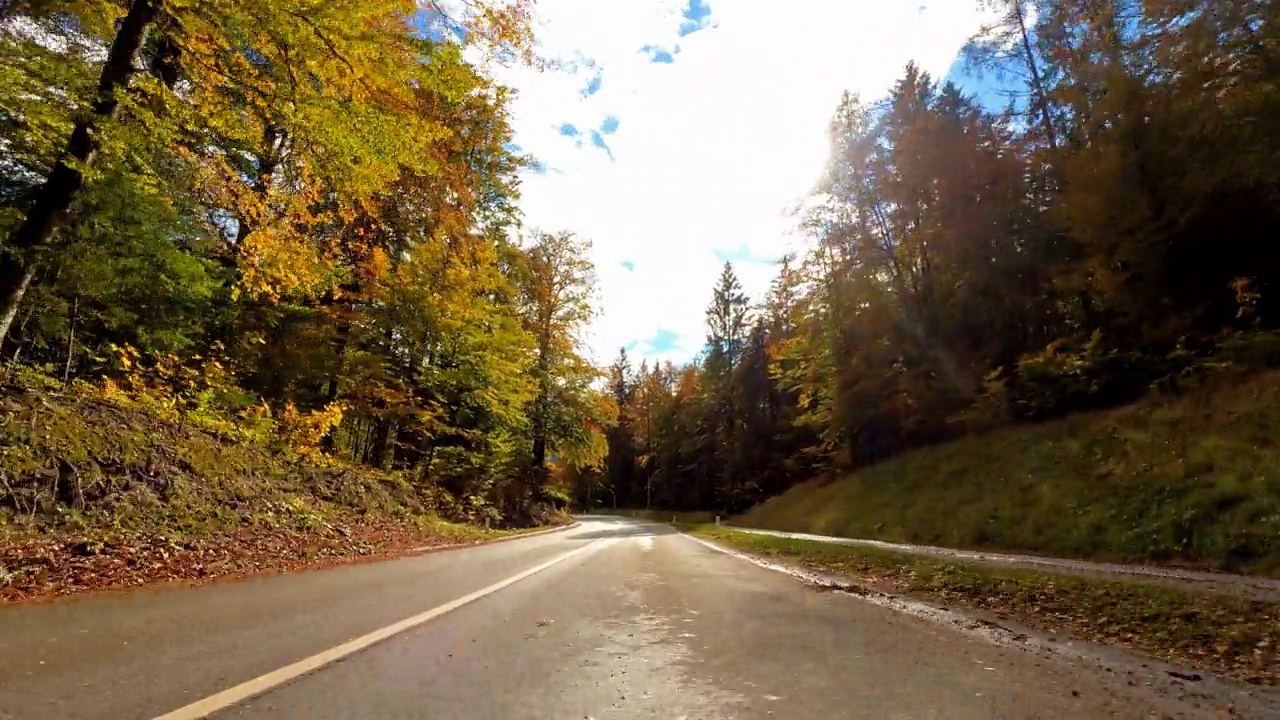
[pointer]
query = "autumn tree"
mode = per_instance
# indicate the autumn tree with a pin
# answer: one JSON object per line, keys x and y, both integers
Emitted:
{"x": 622, "y": 450}
{"x": 282, "y": 105}
{"x": 559, "y": 286}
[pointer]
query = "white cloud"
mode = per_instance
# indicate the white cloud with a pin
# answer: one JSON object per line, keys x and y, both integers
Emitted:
{"x": 712, "y": 149}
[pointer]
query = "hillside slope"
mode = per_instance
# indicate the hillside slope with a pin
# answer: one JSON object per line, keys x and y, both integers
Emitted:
{"x": 96, "y": 495}
{"x": 1190, "y": 480}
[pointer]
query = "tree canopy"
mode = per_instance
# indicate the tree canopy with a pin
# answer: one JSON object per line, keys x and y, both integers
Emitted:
{"x": 299, "y": 216}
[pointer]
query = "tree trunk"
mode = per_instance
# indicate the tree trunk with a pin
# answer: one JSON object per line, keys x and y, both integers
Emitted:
{"x": 22, "y": 337}
{"x": 542, "y": 406}
{"x": 335, "y": 378}
{"x": 384, "y": 443}
{"x": 1037, "y": 80}
{"x": 274, "y": 140}
{"x": 13, "y": 288}
{"x": 424, "y": 467}
{"x": 539, "y": 448}
{"x": 53, "y": 199}
{"x": 648, "y": 433}
{"x": 340, "y": 353}
{"x": 71, "y": 340}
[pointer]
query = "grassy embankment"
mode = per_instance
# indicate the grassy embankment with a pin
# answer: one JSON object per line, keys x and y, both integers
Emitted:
{"x": 1191, "y": 480}
{"x": 1229, "y": 636}
{"x": 97, "y": 495}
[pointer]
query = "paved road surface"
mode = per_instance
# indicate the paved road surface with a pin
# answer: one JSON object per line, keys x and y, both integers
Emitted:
{"x": 631, "y": 621}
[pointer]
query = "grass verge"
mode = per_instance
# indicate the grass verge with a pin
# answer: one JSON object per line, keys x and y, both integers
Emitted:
{"x": 1191, "y": 480}
{"x": 1228, "y": 636}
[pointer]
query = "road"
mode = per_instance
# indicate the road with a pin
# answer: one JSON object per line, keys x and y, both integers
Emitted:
{"x": 613, "y": 619}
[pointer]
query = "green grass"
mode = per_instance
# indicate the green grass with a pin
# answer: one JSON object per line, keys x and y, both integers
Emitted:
{"x": 1192, "y": 480}
{"x": 1233, "y": 637}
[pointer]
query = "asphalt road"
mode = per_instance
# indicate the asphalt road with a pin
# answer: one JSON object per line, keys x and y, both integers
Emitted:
{"x": 613, "y": 619}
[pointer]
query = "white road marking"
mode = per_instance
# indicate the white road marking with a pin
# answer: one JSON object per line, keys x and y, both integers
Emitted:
{"x": 646, "y": 542}
{"x": 994, "y": 634}
{"x": 275, "y": 678}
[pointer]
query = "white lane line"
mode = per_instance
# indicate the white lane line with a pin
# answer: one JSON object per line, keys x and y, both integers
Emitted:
{"x": 646, "y": 542}
{"x": 245, "y": 690}
{"x": 990, "y": 632}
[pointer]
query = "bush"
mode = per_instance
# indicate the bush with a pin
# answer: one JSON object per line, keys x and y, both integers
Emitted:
{"x": 1065, "y": 378}
{"x": 1252, "y": 349}
{"x": 1068, "y": 377}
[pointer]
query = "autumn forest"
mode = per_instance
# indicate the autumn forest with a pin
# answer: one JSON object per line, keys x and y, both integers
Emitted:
{"x": 295, "y": 226}
{"x": 1100, "y": 237}
{"x": 293, "y": 222}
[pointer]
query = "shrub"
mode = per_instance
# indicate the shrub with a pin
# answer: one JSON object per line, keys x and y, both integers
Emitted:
{"x": 1065, "y": 378}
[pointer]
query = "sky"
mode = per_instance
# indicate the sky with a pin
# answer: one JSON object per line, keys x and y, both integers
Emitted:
{"x": 680, "y": 134}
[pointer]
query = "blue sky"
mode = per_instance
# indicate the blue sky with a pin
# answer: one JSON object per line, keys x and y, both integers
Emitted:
{"x": 674, "y": 141}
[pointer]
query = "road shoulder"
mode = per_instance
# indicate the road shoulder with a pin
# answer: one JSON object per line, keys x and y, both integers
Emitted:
{"x": 1193, "y": 648}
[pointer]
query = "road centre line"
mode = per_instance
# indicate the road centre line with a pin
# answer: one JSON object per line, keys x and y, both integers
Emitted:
{"x": 250, "y": 688}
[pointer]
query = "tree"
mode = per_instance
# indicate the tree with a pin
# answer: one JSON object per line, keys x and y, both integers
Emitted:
{"x": 559, "y": 286}
{"x": 726, "y": 321}
{"x": 53, "y": 197}
{"x": 622, "y": 449}
{"x": 1008, "y": 46}
{"x": 293, "y": 111}
{"x": 727, "y": 330}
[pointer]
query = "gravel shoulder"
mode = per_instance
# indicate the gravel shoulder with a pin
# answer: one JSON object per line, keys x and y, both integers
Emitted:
{"x": 1252, "y": 586}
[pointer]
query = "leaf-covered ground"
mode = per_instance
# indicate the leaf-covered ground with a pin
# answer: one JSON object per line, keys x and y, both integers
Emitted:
{"x": 1229, "y": 636}
{"x": 50, "y": 566}
{"x": 96, "y": 496}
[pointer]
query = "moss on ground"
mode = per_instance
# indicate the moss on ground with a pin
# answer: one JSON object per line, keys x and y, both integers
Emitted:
{"x": 1233, "y": 637}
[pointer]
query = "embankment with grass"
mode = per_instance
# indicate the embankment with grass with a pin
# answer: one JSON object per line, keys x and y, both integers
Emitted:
{"x": 1229, "y": 636}
{"x": 1189, "y": 480}
{"x": 96, "y": 494}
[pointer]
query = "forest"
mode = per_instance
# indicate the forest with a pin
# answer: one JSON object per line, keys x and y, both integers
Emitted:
{"x": 1100, "y": 236}
{"x": 294, "y": 225}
